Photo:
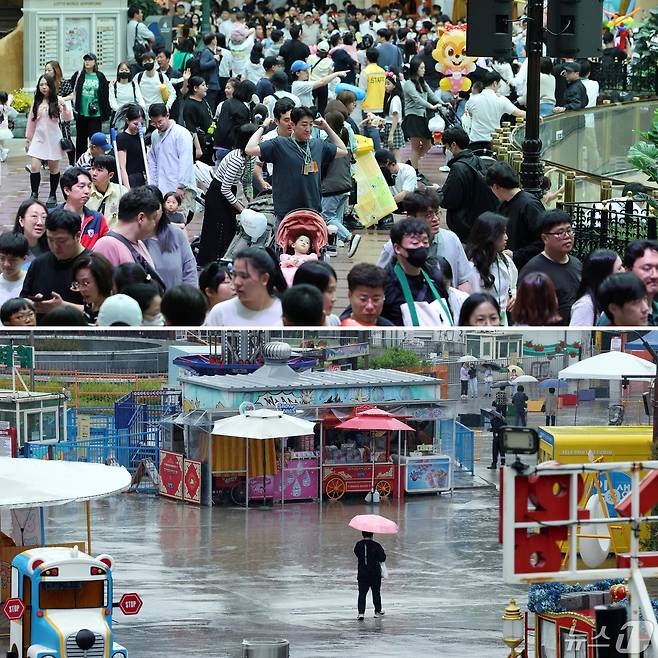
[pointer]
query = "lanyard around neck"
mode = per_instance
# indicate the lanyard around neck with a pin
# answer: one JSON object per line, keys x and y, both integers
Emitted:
{"x": 304, "y": 152}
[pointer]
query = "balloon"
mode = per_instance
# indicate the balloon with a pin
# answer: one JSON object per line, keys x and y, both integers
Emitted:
{"x": 436, "y": 124}
{"x": 254, "y": 223}
{"x": 358, "y": 92}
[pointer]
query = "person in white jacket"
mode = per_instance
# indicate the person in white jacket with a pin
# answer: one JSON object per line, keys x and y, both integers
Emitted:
{"x": 125, "y": 90}
{"x": 154, "y": 85}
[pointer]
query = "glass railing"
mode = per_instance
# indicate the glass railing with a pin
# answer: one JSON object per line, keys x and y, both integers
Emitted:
{"x": 594, "y": 143}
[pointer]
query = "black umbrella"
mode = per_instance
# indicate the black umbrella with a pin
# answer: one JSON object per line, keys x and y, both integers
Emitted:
{"x": 502, "y": 385}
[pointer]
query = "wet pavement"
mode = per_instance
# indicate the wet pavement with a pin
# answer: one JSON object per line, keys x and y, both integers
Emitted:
{"x": 211, "y": 577}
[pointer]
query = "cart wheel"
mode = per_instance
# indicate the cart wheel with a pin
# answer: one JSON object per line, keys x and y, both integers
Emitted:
{"x": 335, "y": 488}
{"x": 238, "y": 493}
{"x": 383, "y": 488}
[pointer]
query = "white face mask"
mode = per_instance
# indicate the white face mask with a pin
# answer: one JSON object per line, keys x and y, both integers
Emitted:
{"x": 156, "y": 321}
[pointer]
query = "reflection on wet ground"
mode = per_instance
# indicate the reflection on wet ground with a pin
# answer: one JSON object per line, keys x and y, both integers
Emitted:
{"x": 211, "y": 577}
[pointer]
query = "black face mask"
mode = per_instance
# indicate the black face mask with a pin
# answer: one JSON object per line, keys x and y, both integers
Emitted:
{"x": 418, "y": 257}
{"x": 148, "y": 66}
{"x": 123, "y": 75}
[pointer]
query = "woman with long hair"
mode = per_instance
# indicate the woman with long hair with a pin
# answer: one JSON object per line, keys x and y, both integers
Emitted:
{"x": 91, "y": 102}
{"x": 129, "y": 148}
{"x": 393, "y": 137}
{"x": 31, "y": 222}
{"x": 600, "y": 264}
{"x": 418, "y": 99}
{"x": 493, "y": 270}
{"x": 235, "y": 112}
{"x": 43, "y": 136}
{"x": 257, "y": 277}
{"x": 65, "y": 92}
{"x": 535, "y": 304}
{"x": 170, "y": 250}
{"x": 222, "y": 204}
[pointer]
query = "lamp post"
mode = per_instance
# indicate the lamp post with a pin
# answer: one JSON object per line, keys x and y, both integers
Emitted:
{"x": 205, "y": 16}
{"x": 531, "y": 167}
{"x": 512, "y": 628}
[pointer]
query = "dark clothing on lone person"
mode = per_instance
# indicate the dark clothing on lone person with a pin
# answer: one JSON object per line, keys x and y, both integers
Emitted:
{"x": 524, "y": 213}
{"x": 370, "y": 554}
{"x": 575, "y": 96}
{"x": 292, "y": 50}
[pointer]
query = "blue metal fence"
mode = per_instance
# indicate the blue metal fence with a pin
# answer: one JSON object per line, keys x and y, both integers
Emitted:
{"x": 463, "y": 450}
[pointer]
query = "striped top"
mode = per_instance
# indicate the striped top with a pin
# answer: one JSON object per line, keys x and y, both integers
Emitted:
{"x": 229, "y": 173}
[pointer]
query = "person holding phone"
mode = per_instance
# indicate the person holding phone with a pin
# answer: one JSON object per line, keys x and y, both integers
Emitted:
{"x": 49, "y": 277}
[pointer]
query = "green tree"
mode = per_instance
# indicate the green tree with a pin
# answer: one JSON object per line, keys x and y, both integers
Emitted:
{"x": 395, "y": 357}
{"x": 149, "y": 7}
{"x": 645, "y": 42}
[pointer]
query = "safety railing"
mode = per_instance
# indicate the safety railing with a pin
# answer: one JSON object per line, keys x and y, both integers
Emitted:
{"x": 609, "y": 224}
{"x": 463, "y": 449}
{"x": 625, "y": 78}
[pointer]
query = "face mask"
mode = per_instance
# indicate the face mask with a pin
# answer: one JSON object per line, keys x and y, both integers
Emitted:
{"x": 418, "y": 257}
{"x": 156, "y": 321}
{"x": 149, "y": 66}
{"x": 124, "y": 75}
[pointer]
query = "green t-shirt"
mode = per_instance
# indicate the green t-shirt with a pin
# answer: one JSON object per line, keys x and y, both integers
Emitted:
{"x": 89, "y": 95}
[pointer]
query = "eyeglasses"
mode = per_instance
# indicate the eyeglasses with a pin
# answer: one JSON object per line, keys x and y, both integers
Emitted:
{"x": 564, "y": 233}
{"x": 78, "y": 286}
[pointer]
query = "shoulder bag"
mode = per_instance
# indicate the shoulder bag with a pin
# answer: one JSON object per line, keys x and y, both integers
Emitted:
{"x": 422, "y": 314}
{"x": 151, "y": 274}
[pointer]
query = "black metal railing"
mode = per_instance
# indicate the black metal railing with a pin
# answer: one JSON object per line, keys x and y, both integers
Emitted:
{"x": 609, "y": 225}
{"x": 625, "y": 78}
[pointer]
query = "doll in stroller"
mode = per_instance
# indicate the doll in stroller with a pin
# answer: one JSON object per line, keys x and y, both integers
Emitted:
{"x": 302, "y": 236}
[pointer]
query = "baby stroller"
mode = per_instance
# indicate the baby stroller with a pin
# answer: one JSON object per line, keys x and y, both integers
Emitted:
{"x": 296, "y": 223}
{"x": 262, "y": 203}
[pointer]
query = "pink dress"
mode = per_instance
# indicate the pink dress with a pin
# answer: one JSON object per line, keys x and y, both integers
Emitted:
{"x": 45, "y": 134}
{"x": 289, "y": 264}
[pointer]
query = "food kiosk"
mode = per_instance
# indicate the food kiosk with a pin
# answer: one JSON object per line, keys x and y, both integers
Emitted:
{"x": 326, "y": 397}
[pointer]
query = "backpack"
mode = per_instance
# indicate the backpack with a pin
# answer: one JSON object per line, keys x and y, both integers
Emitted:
{"x": 164, "y": 92}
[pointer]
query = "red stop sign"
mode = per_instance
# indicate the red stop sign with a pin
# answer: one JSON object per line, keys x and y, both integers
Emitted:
{"x": 13, "y": 609}
{"x": 130, "y": 603}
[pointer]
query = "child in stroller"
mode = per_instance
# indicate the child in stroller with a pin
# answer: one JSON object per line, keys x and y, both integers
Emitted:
{"x": 302, "y": 236}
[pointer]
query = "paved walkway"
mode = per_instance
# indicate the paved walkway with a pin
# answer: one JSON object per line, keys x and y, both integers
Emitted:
{"x": 15, "y": 187}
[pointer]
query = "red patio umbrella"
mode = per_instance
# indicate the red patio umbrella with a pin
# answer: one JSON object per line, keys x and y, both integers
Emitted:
{"x": 374, "y": 419}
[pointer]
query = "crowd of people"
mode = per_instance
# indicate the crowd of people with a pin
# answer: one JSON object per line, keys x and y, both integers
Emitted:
{"x": 269, "y": 104}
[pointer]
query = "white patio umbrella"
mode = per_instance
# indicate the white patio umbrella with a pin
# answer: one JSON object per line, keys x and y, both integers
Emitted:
{"x": 525, "y": 379}
{"x": 28, "y": 483}
{"x": 467, "y": 358}
{"x": 261, "y": 424}
{"x": 612, "y": 366}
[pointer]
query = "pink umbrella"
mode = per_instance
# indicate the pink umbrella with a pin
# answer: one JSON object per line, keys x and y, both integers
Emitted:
{"x": 374, "y": 419}
{"x": 374, "y": 523}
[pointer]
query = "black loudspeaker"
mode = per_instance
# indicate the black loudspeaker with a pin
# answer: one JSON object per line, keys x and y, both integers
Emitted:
{"x": 489, "y": 29}
{"x": 574, "y": 28}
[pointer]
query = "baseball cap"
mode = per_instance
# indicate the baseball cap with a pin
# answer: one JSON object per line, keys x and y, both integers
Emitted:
{"x": 323, "y": 46}
{"x": 299, "y": 65}
{"x": 90, "y": 56}
{"x": 572, "y": 66}
{"x": 119, "y": 310}
{"x": 99, "y": 139}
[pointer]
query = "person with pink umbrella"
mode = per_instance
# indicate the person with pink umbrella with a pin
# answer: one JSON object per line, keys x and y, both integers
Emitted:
{"x": 370, "y": 557}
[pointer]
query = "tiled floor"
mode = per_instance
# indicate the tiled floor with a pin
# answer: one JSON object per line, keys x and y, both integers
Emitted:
{"x": 15, "y": 187}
